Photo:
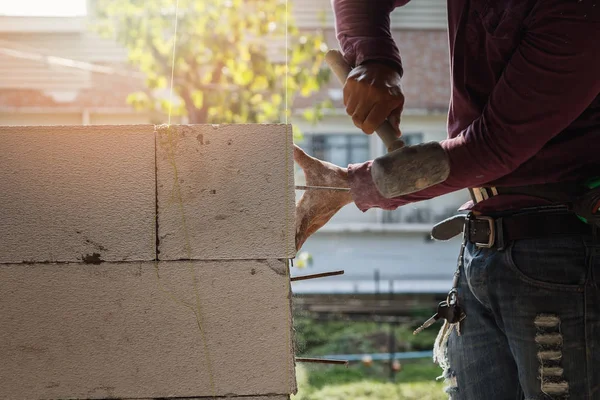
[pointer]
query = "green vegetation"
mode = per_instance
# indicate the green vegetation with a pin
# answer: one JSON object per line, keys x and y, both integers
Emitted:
{"x": 415, "y": 380}
{"x": 414, "y": 371}
{"x": 224, "y": 69}
{"x": 349, "y": 337}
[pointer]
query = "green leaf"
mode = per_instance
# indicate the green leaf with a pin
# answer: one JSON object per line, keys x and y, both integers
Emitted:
{"x": 139, "y": 101}
{"x": 198, "y": 99}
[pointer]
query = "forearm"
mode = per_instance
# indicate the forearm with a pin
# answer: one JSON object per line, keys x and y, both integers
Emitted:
{"x": 363, "y": 31}
{"x": 365, "y": 194}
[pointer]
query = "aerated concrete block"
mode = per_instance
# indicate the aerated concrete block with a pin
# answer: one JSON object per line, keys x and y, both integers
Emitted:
{"x": 145, "y": 330}
{"x": 225, "y": 192}
{"x": 77, "y": 193}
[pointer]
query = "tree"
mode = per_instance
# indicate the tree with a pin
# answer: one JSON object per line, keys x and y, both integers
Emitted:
{"x": 229, "y": 60}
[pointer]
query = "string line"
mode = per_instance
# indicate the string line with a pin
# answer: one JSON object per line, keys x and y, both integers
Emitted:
{"x": 287, "y": 67}
{"x": 173, "y": 61}
{"x": 290, "y": 324}
{"x": 197, "y": 308}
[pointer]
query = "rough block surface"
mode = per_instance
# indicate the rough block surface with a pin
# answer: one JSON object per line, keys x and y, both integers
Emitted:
{"x": 225, "y": 192}
{"x": 74, "y": 193}
{"x": 145, "y": 330}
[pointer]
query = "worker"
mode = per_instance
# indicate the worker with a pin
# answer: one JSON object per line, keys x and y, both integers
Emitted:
{"x": 524, "y": 138}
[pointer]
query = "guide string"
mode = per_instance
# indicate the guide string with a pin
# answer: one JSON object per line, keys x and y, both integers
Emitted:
{"x": 197, "y": 309}
{"x": 289, "y": 219}
{"x": 173, "y": 61}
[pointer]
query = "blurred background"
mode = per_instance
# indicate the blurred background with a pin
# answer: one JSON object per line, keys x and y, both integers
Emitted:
{"x": 84, "y": 62}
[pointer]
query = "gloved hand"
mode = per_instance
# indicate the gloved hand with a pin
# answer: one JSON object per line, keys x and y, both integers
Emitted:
{"x": 316, "y": 207}
{"x": 372, "y": 93}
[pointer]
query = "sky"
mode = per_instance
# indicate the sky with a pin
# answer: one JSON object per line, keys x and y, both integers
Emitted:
{"x": 43, "y": 7}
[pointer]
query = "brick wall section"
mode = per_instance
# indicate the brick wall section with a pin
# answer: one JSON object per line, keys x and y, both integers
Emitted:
{"x": 425, "y": 57}
{"x": 108, "y": 91}
{"x": 426, "y": 81}
{"x": 90, "y": 310}
{"x": 19, "y": 98}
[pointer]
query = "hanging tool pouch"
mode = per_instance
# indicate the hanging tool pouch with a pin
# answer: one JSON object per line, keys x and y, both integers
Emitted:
{"x": 587, "y": 206}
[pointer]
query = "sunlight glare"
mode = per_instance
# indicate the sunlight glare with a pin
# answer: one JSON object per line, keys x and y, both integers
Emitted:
{"x": 45, "y": 8}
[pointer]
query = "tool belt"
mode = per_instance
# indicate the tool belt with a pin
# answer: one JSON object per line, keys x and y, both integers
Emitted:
{"x": 575, "y": 205}
{"x": 487, "y": 232}
{"x": 498, "y": 233}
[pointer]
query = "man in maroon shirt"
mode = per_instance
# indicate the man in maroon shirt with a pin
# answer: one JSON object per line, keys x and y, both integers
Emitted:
{"x": 524, "y": 137}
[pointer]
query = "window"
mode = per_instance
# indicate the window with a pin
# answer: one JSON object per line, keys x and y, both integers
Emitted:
{"x": 343, "y": 149}
{"x": 339, "y": 149}
{"x": 410, "y": 139}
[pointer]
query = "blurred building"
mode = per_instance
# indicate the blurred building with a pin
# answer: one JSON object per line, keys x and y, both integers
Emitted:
{"x": 55, "y": 71}
{"x": 50, "y": 74}
{"x": 386, "y": 250}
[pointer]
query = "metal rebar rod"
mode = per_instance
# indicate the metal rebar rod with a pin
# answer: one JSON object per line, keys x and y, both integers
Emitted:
{"x": 339, "y": 189}
{"x": 316, "y": 276}
{"x": 322, "y": 361}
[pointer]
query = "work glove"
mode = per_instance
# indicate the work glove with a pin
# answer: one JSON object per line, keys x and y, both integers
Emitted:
{"x": 372, "y": 93}
{"x": 316, "y": 207}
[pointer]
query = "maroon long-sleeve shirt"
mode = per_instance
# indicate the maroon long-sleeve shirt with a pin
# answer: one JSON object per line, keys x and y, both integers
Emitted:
{"x": 525, "y": 104}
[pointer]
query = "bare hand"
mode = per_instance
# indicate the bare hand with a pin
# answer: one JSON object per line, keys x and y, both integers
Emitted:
{"x": 372, "y": 93}
{"x": 316, "y": 207}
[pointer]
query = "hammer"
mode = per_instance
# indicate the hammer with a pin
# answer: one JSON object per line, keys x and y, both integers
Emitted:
{"x": 404, "y": 169}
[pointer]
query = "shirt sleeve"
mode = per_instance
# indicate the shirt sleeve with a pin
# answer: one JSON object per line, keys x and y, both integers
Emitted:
{"x": 363, "y": 31}
{"x": 550, "y": 80}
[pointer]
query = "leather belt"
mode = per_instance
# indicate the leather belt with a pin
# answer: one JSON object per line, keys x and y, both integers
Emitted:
{"x": 488, "y": 232}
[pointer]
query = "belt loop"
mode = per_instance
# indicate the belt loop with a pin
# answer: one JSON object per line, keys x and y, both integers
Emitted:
{"x": 467, "y": 228}
{"x": 476, "y": 195}
{"x": 500, "y": 245}
{"x": 592, "y": 251}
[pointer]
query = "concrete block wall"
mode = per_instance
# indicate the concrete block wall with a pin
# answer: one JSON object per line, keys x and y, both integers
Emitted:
{"x": 233, "y": 184}
{"x": 71, "y": 192}
{"x": 146, "y": 263}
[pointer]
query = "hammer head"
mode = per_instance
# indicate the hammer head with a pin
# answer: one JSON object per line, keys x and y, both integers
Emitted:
{"x": 410, "y": 169}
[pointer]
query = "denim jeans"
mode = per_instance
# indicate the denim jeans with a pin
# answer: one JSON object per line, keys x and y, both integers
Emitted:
{"x": 532, "y": 329}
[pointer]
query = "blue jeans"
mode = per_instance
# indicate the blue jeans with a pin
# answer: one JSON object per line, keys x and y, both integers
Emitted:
{"x": 532, "y": 329}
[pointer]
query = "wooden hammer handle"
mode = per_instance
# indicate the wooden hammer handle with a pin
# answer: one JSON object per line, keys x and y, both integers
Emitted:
{"x": 341, "y": 69}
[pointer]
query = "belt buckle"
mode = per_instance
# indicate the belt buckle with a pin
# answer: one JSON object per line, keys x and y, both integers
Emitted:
{"x": 492, "y": 236}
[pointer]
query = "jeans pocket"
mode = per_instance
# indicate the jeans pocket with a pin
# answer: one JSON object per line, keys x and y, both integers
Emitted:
{"x": 552, "y": 263}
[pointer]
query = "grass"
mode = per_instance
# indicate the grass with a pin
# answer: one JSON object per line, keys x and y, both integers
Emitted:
{"x": 321, "y": 338}
{"x": 415, "y": 381}
{"x": 318, "y": 376}
{"x": 411, "y": 384}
